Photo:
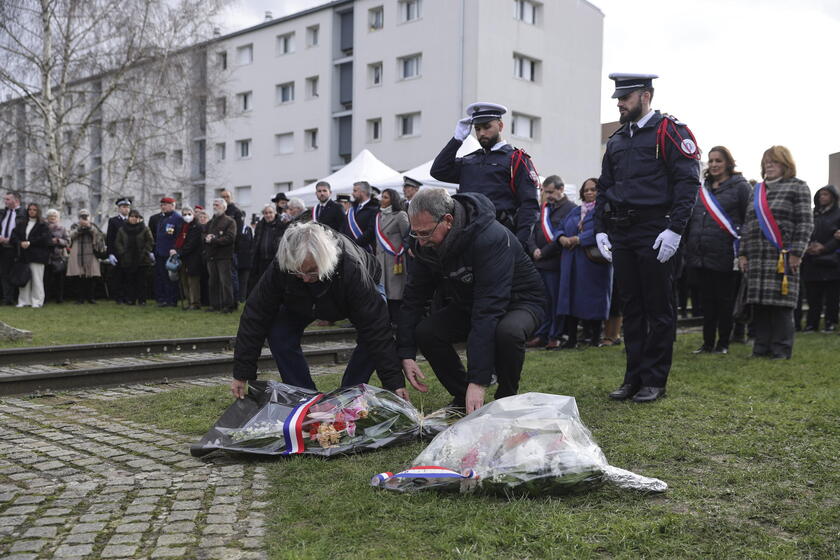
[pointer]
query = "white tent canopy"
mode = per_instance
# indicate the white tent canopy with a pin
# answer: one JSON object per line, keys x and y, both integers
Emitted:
{"x": 364, "y": 167}
{"x": 422, "y": 172}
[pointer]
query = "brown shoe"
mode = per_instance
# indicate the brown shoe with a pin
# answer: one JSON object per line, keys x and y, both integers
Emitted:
{"x": 534, "y": 342}
{"x": 553, "y": 344}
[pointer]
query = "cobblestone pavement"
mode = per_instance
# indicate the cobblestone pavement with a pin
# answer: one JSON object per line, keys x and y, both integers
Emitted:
{"x": 75, "y": 483}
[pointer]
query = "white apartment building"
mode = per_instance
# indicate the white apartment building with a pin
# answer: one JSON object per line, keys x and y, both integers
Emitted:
{"x": 305, "y": 93}
{"x": 294, "y": 98}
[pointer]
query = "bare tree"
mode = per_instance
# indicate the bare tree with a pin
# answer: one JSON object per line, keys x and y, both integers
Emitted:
{"x": 99, "y": 89}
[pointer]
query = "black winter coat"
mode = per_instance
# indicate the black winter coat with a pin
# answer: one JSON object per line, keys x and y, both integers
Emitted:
{"x": 487, "y": 274}
{"x": 40, "y": 241}
{"x": 549, "y": 252}
{"x": 706, "y": 245}
{"x": 191, "y": 251}
{"x": 351, "y": 293}
{"x": 245, "y": 248}
{"x": 366, "y": 218}
{"x": 826, "y": 265}
{"x": 114, "y": 225}
{"x": 332, "y": 215}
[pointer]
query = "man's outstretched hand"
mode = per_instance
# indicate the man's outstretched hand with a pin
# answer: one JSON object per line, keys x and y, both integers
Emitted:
{"x": 238, "y": 388}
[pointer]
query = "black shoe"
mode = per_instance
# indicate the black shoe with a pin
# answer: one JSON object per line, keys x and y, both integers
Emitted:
{"x": 91, "y": 301}
{"x": 649, "y": 394}
{"x": 80, "y": 302}
{"x": 161, "y": 304}
{"x": 624, "y": 392}
{"x": 703, "y": 350}
{"x": 142, "y": 304}
{"x": 129, "y": 303}
{"x": 721, "y": 349}
{"x": 809, "y": 328}
{"x": 829, "y": 328}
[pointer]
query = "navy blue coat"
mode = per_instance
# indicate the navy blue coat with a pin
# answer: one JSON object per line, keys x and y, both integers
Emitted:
{"x": 168, "y": 228}
{"x": 487, "y": 274}
{"x": 489, "y": 173}
{"x": 549, "y": 252}
{"x": 114, "y": 225}
{"x": 585, "y": 286}
{"x": 634, "y": 174}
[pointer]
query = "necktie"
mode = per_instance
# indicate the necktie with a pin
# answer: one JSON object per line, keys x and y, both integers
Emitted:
{"x": 633, "y": 129}
{"x": 318, "y": 211}
{"x": 10, "y": 219}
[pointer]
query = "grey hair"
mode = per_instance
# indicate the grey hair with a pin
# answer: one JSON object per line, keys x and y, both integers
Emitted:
{"x": 434, "y": 200}
{"x": 309, "y": 239}
{"x": 365, "y": 186}
{"x": 186, "y": 208}
{"x": 220, "y": 201}
{"x": 296, "y": 203}
{"x": 272, "y": 206}
{"x": 52, "y": 212}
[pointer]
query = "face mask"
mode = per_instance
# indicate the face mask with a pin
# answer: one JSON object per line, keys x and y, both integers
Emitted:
{"x": 188, "y": 219}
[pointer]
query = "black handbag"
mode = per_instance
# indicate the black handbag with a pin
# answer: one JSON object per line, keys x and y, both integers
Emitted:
{"x": 594, "y": 254}
{"x": 21, "y": 274}
{"x": 742, "y": 311}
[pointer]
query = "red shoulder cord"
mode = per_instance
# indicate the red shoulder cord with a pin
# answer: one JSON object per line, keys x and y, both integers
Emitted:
{"x": 518, "y": 157}
{"x": 676, "y": 139}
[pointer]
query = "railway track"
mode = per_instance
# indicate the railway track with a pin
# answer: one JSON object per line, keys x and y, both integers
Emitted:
{"x": 50, "y": 368}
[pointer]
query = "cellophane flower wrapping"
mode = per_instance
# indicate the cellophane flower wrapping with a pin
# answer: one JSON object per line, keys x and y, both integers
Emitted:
{"x": 531, "y": 444}
{"x": 279, "y": 419}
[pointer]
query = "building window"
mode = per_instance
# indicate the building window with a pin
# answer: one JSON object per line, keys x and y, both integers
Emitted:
{"x": 376, "y": 18}
{"x": 244, "y": 101}
{"x": 524, "y": 126}
{"x": 243, "y": 148}
{"x": 525, "y": 11}
{"x": 243, "y": 196}
{"x": 525, "y": 68}
{"x": 284, "y": 93}
{"x": 312, "y": 33}
{"x": 221, "y": 107}
{"x": 311, "y": 139}
{"x": 178, "y": 157}
{"x": 245, "y": 55}
{"x": 375, "y": 74}
{"x": 221, "y": 151}
{"x": 410, "y": 10}
{"x": 312, "y": 87}
{"x": 221, "y": 60}
{"x": 286, "y": 44}
{"x": 408, "y": 125}
{"x": 283, "y": 186}
{"x": 409, "y": 66}
{"x": 284, "y": 143}
{"x": 374, "y": 130}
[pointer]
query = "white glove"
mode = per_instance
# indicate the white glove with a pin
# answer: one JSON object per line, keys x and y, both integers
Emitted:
{"x": 152, "y": 257}
{"x": 604, "y": 245}
{"x": 112, "y": 259}
{"x": 667, "y": 242}
{"x": 462, "y": 129}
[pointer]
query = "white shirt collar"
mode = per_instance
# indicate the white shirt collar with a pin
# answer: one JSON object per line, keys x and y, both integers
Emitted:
{"x": 498, "y": 145}
{"x": 362, "y": 204}
{"x": 643, "y": 121}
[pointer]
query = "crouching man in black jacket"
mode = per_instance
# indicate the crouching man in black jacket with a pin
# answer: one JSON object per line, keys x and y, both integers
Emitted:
{"x": 497, "y": 297}
{"x": 317, "y": 274}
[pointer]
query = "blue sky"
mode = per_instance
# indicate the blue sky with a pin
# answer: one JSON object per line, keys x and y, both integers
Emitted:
{"x": 746, "y": 74}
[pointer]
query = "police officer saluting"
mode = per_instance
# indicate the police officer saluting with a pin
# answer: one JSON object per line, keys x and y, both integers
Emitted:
{"x": 649, "y": 179}
{"x": 498, "y": 171}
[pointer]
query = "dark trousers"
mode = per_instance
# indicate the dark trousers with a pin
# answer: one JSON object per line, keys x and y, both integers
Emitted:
{"x": 220, "y": 284}
{"x": 591, "y": 330}
{"x": 54, "y": 284}
{"x": 135, "y": 284}
{"x": 551, "y": 327}
{"x": 773, "y": 331}
{"x": 394, "y": 311}
{"x": 284, "y": 343}
{"x": 647, "y": 299}
{"x": 244, "y": 279}
{"x": 85, "y": 288}
{"x": 821, "y": 294}
{"x": 436, "y": 334}
{"x": 118, "y": 280}
{"x": 166, "y": 291}
{"x": 234, "y": 276}
{"x": 719, "y": 289}
{"x": 7, "y": 258}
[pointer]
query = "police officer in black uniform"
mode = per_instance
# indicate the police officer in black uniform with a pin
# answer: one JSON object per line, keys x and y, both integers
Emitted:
{"x": 649, "y": 179}
{"x": 503, "y": 174}
{"x": 118, "y": 273}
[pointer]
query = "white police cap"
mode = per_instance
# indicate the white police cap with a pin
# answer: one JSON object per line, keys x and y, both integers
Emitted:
{"x": 626, "y": 83}
{"x": 482, "y": 112}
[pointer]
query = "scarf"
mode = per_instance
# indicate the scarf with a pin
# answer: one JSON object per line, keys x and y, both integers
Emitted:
{"x": 585, "y": 209}
{"x": 182, "y": 235}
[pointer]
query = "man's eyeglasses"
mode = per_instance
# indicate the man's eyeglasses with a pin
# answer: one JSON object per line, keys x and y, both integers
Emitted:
{"x": 425, "y": 235}
{"x": 307, "y": 275}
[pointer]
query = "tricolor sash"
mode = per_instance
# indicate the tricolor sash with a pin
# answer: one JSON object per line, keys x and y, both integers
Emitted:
{"x": 315, "y": 213}
{"x": 770, "y": 229}
{"x": 425, "y": 472}
{"x": 545, "y": 223}
{"x": 720, "y": 216}
{"x": 293, "y": 426}
{"x": 353, "y": 224}
{"x": 389, "y": 248}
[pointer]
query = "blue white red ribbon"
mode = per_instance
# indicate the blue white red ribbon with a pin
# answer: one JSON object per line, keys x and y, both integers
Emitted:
{"x": 386, "y": 245}
{"x": 545, "y": 223}
{"x": 353, "y": 224}
{"x": 720, "y": 216}
{"x": 766, "y": 221}
{"x": 425, "y": 472}
{"x": 293, "y": 426}
{"x": 315, "y": 213}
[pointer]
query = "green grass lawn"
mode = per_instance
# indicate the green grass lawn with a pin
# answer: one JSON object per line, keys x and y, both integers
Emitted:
{"x": 748, "y": 447}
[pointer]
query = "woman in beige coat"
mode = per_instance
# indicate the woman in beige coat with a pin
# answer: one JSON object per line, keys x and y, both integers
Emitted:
{"x": 391, "y": 230}
{"x": 86, "y": 240}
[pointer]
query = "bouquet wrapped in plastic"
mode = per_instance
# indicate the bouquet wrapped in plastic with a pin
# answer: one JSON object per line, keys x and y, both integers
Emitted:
{"x": 279, "y": 419}
{"x": 533, "y": 444}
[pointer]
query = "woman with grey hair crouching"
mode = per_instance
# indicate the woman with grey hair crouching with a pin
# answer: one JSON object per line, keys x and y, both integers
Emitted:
{"x": 317, "y": 274}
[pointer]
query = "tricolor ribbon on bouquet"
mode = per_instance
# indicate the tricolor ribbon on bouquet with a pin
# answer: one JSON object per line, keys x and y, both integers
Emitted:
{"x": 720, "y": 216}
{"x": 545, "y": 223}
{"x": 425, "y": 472}
{"x": 293, "y": 426}
{"x": 771, "y": 231}
{"x": 389, "y": 247}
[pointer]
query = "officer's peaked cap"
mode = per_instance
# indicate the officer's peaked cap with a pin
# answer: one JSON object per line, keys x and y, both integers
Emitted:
{"x": 409, "y": 182}
{"x": 483, "y": 112}
{"x": 627, "y": 83}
